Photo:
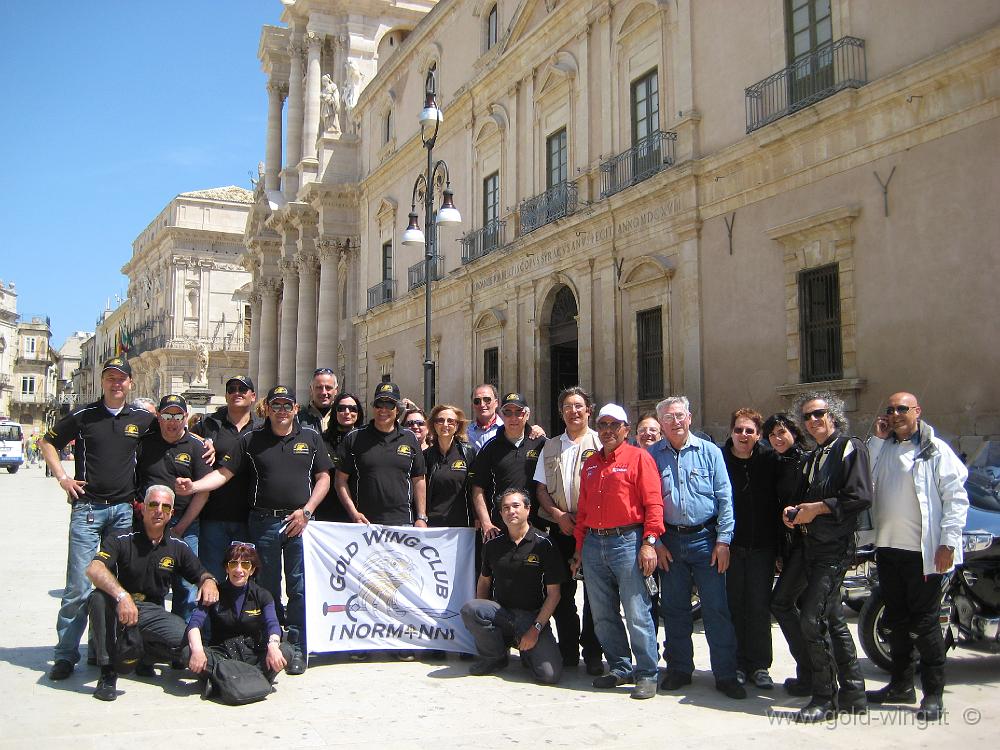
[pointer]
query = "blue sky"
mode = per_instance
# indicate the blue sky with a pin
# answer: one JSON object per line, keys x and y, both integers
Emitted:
{"x": 109, "y": 110}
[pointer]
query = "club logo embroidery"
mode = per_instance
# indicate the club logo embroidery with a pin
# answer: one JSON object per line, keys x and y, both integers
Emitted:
{"x": 300, "y": 449}
{"x": 588, "y": 453}
{"x": 280, "y": 389}
{"x": 404, "y": 450}
{"x": 251, "y": 612}
{"x": 166, "y": 563}
{"x": 132, "y": 430}
{"x": 532, "y": 454}
{"x": 385, "y": 388}
{"x": 459, "y": 465}
{"x": 532, "y": 559}
{"x": 183, "y": 458}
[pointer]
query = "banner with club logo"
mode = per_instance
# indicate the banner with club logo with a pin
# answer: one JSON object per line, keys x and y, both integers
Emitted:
{"x": 387, "y": 587}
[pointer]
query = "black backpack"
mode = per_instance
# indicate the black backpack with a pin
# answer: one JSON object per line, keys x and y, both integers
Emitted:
{"x": 235, "y": 682}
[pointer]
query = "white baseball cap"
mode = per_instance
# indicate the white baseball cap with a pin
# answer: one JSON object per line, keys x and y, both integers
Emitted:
{"x": 613, "y": 410}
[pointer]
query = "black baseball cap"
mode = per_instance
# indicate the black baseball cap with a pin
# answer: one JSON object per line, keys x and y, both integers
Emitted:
{"x": 514, "y": 398}
{"x": 172, "y": 399}
{"x": 245, "y": 379}
{"x": 117, "y": 363}
{"x": 280, "y": 393}
{"x": 387, "y": 392}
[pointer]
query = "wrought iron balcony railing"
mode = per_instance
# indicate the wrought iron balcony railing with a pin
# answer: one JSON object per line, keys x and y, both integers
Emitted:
{"x": 380, "y": 294}
{"x": 556, "y": 202}
{"x": 416, "y": 276}
{"x": 830, "y": 68}
{"x": 649, "y": 155}
{"x": 479, "y": 242}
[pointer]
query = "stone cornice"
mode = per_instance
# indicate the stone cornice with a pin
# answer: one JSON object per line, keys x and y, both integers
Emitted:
{"x": 835, "y": 221}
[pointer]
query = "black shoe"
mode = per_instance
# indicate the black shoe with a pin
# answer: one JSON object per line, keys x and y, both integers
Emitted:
{"x": 466, "y": 657}
{"x": 106, "y": 689}
{"x": 436, "y": 655}
{"x": 857, "y": 707}
{"x": 571, "y": 662}
{"x": 931, "y": 708}
{"x": 818, "y": 709}
{"x": 731, "y": 688}
{"x": 674, "y": 680}
{"x": 91, "y": 661}
{"x": 645, "y": 687}
{"x": 798, "y": 688}
{"x": 145, "y": 670}
{"x": 296, "y": 665}
{"x": 207, "y": 689}
{"x": 487, "y": 666}
{"x": 892, "y": 693}
{"x": 611, "y": 680}
{"x": 595, "y": 667}
{"x": 178, "y": 664}
{"x": 61, "y": 670}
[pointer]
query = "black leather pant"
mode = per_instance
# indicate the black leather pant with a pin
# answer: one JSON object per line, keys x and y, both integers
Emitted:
{"x": 568, "y": 622}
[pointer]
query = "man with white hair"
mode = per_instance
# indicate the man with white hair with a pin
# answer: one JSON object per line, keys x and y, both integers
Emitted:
{"x": 618, "y": 520}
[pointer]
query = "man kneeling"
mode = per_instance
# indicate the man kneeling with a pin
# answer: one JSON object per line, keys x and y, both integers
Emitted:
{"x": 523, "y": 571}
{"x": 133, "y": 573}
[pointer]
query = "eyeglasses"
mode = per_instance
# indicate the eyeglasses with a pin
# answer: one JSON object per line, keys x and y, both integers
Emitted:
{"x": 574, "y": 407}
{"x": 901, "y": 409}
{"x": 172, "y": 417}
{"x": 231, "y": 389}
{"x": 744, "y": 430}
{"x": 814, "y": 414}
{"x": 674, "y": 417}
{"x": 512, "y": 413}
{"x": 411, "y": 423}
{"x": 608, "y": 426}
{"x": 346, "y": 408}
{"x": 385, "y": 405}
{"x": 236, "y": 543}
{"x": 283, "y": 406}
{"x": 242, "y": 564}
{"x": 445, "y": 420}
{"x": 322, "y": 371}
{"x": 156, "y": 505}
{"x": 480, "y": 400}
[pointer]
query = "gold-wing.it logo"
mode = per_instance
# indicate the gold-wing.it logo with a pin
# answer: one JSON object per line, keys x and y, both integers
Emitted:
{"x": 183, "y": 458}
{"x": 167, "y": 563}
{"x": 532, "y": 559}
{"x": 300, "y": 448}
{"x": 404, "y": 450}
{"x": 532, "y": 454}
{"x": 459, "y": 465}
{"x": 132, "y": 430}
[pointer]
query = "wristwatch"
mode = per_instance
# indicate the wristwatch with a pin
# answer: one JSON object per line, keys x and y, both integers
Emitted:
{"x": 425, "y": 519}
{"x": 650, "y": 540}
{"x": 538, "y": 626}
{"x": 121, "y": 596}
{"x": 308, "y": 514}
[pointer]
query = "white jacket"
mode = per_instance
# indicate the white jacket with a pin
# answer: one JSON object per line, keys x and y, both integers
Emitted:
{"x": 939, "y": 481}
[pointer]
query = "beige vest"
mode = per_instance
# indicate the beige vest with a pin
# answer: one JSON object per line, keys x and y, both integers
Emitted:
{"x": 552, "y": 458}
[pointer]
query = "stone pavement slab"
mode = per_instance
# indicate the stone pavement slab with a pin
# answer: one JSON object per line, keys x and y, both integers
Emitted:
{"x": 343, "y": 704}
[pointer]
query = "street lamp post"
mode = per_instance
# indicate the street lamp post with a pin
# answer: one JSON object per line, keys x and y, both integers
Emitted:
{"x": 431, "y": 118}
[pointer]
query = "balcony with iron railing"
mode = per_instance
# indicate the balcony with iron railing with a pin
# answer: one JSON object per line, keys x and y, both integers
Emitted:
{"x": 415, "y": 274}
{"x": 380, "y": 294}
{"x": 483, "y": 241}
{"x": 830, "y": 68}
{"x": 556, "y": 202}
{"x": 649, "y": 155}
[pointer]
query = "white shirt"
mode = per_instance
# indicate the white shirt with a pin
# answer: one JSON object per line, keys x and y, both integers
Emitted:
{"x": 896, "y": 509}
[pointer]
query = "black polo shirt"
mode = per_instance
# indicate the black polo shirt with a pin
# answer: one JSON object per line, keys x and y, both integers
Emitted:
{"x": 160, "y": 462}
{"x": 105, "y": 450}
{"x": 280, "y": 470}
{"x": 381, "y": 467}
{"x": 501, "y": 464}
{"x": 147, "y": 570}
{"x": 448, "y": 485}
{"x": 520, "y": 572}
{"x": 231, "y": 502}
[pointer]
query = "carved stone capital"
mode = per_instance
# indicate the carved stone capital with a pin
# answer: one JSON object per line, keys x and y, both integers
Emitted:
{"x": 277, "y": 88}
{"x": 313, "y": 40}
{"x": 268, "y": 289}
{"x": 307, "y": 264}
{"x": 289, "y": 269}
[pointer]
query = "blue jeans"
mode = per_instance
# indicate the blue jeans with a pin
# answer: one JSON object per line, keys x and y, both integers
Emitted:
{"x": 185, "y": 595}
{"x": 614, "y": 582}
{"x": 214, "y": 539}
{"x": 692, "y": 555}
{"x": 87, "y": 525}
{"x": 275, "y": 549}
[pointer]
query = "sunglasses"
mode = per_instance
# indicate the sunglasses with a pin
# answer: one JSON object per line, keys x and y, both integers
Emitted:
{"x": 346, "y": 408}
{"x": 284, "y": 406}
{"x": 901, "y": 409}
{"x": 384, "y": 405}
{"x": 512, "y": 413}
{"x": 480, "y": 400}
{"x": 235, "y": 543}
{"x": 411, "y": 423}
{"x": 156, "y": 505}
{"x": 445, "y": 420}
{"x": 322, "y": 371}
{"x": 744, "y": 430}
{"x": 608, "y": 426}
{"x": 814, "y": 414}
{"x": 242, "y": 564}
{"x": 172, "y": 417}
{"x": 231, "y": 389}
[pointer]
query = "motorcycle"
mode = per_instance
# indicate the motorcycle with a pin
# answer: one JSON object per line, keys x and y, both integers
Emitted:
{"x": 970, "y": 596}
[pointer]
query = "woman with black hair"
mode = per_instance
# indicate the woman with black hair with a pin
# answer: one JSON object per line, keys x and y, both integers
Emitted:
{"x": 348, "y": 416}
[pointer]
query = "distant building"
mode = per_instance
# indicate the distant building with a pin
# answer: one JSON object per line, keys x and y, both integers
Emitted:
{"x": 70, "y": 356}
{"x": 8, "y": 344}
{"x": 35, "y": 374}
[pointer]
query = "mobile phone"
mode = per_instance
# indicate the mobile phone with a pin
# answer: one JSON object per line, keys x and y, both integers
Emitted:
{"x": 651, "y": 586}
{"x": 790, "y": 513}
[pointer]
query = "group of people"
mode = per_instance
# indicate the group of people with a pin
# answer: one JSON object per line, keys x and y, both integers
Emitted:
{"x": 641, "y": 521}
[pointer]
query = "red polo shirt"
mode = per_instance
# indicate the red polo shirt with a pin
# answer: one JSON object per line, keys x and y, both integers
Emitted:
{"x": 619, "y": 489}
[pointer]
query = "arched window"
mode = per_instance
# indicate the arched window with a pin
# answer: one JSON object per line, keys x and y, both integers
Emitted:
{"x": 492, "y": 27}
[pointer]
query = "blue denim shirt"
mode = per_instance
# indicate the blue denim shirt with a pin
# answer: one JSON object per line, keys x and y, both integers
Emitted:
{"x": 695, "y": 485}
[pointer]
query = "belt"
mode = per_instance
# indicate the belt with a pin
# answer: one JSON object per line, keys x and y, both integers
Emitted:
{"x": 274, "y": 513}
{"x": 692, "y": 529}
{"x": 616, "y": 530}
{"x": 107, "y": 503}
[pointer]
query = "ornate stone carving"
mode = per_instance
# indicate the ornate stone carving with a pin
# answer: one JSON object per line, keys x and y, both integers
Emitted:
{"x": 307, "y": 264}
{"x": 277, "y": 87}
{"x": 330, "y": 105}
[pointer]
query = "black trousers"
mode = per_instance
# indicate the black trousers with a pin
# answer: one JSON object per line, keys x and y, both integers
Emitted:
{"x": 749, "y": 580}
{"x": 912, "y": 607}
{"x": 568, "y": 622}
{"x": 806, "y": 603}
{"x": 162, "y": 632}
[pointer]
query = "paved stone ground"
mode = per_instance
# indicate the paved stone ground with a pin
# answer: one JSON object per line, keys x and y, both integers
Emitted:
{"x": 338, "y": 703}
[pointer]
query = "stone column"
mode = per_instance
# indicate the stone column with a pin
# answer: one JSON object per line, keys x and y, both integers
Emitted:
{"x": 272, "y": 154}
{"x": 293, "y": 145}
{"x": 267, "y": 361}
{"x": 310, "y": 128}
{"x": 289, "y": 321}
{"x": 328, "y": 333}
{"x": 253, "y": 346}
{"x": 305, "y": 343}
